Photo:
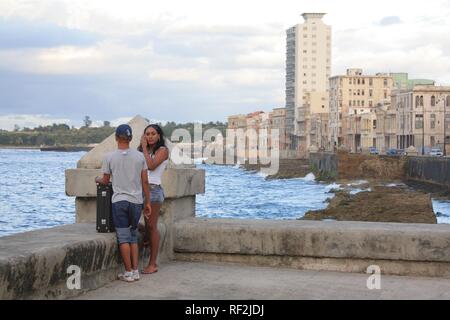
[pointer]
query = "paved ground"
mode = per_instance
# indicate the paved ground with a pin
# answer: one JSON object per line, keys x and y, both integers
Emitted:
{"x": 188, "y": 280}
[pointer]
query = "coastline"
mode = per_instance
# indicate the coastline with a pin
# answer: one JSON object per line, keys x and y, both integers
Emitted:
{"x": 20, "y": 147}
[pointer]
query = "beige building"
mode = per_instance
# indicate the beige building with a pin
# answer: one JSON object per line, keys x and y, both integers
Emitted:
{"x": 386, "y": 127}
{"x": 258, "y": 121}
{"x": 308, "y": 67}
{"x": 354, "y": 94}
{"x": 237, "y": 121}
{"x": 278, "y": 121}
{"x": 361, "y": 132}
{"x": 420, "y": 117}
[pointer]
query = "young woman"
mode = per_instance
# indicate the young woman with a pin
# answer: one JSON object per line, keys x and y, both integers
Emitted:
{"x": 156, "y": 155}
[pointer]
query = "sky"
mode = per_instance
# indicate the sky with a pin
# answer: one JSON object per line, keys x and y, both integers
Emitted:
{"x": 196, "y": 60}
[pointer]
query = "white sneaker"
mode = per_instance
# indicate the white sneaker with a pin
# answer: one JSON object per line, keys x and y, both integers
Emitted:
{"x": 127, "y": 276}
{"x": 136, "y": 276}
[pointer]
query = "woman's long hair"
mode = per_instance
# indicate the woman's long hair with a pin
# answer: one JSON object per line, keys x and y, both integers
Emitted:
{"x": 161, "y": 142}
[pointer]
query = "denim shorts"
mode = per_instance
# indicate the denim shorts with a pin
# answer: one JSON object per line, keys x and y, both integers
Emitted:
{"x": 126, "y": 217}
{"x": 156, "y": 193}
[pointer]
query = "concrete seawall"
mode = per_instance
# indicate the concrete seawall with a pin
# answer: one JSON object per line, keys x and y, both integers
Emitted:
{"x": 34, "y": 265}
{"x": 429, "y": 170}
{"x": 343, "y": 165}
{"x": 397, "y": 248}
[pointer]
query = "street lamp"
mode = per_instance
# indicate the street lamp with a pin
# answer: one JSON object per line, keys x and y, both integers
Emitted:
{"x": 423, "y": 126}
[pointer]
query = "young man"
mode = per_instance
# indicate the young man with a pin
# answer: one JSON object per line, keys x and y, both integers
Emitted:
{"x": 128, "y": 170}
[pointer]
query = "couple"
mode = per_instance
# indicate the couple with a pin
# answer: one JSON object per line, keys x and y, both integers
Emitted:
{"x": 132, "y": 171}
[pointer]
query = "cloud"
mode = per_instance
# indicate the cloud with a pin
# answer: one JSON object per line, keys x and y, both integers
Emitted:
{"x": 9, "y": 121}
{"x": 21, "y": 33}
{"x": 388, "y": 21}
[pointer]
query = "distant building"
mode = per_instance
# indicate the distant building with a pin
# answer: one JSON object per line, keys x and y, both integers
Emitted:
{"x": 402, "y": 82}
{"x": 308, "y": 67}
{"x": 423, "y": 117}
{"x": 278, "y": 121}
{"x": 352, "y": 95}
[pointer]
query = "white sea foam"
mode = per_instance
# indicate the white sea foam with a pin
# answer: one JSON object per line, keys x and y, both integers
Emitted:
{"x": 358, "y": 183}
{"x": 309, "y": 177}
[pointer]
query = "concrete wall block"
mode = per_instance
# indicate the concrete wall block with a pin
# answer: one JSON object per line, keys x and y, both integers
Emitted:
{"x": 86, "y": 209}
{"x": 357, "y": 240}
{"x": 34, "y": 264}
{"x": 81, "y": 182}
{"x": 183, "y": 182}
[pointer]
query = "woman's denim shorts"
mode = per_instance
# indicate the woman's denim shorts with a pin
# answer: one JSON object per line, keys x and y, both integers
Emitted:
{"x": 156, "y": 193}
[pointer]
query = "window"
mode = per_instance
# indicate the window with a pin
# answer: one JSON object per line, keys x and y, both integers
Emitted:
{"x": 385, "y": 82}
{"x": 385, "y": 94}
{"x": 370, "y": 103}
{"x": 447, "y": 101}
{"x": 421, "y": 101}
{"x": 350, "y": 103}
{"x": 432, "y": 142}
{"x": 370, "y": 82}
{"x": 370, "y": 92}
{"x": 305, "y": 51}
{"x": 433, "y": 101}
{"x": 362, "y": 92}
{"x": 419, "y": 121}
{"x": 359, "y": 81}
{"x": 305, "y": 36}
{"x": 349, "y": 80}
{"x": 374, "y": 124}
{"x": 363, "y": 81}
{"x": 362, "y": 103}
{"x": 432, "y": 121}
{"x": 417, "y": 101}
{"x": 359, "y": 92}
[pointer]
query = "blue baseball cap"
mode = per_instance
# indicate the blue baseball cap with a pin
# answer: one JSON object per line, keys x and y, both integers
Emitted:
{"x": 124, "y": 130}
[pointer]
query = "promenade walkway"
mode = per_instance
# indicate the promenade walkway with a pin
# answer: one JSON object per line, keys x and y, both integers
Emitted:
{"x": 189, "y": 280}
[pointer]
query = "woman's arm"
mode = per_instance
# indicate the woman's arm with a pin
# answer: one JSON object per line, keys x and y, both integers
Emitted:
{"x": 161, "y": 155}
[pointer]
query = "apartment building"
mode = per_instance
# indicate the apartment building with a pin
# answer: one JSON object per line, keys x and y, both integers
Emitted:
{"x": 308, "y": 67}
{"x": 354, "y": 94}
{"x": 278, "y": 121}
{"x": 423, "y": 117}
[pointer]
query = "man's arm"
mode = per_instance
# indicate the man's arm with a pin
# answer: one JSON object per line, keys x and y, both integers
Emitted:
{"x": 145, "y": 189}
{"x": 106, "y": 170}
{"x": 103, "y": 180}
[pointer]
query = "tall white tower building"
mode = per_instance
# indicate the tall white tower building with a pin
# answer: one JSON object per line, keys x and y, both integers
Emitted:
{"x": 308, "y": 67}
